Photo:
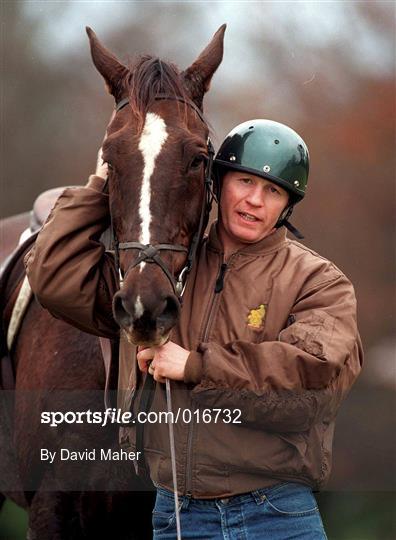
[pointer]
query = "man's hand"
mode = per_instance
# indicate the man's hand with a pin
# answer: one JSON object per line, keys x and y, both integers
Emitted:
{"x": 165, "y": 362}
{"x": 101, "y": 171}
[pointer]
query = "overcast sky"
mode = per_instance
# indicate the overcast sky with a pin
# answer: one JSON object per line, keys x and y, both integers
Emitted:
{"x": 308, "y": 24}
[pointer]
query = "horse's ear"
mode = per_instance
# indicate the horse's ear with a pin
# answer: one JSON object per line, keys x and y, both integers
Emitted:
{"x": 198, "y": 76}
{"x": 107, "y": 64}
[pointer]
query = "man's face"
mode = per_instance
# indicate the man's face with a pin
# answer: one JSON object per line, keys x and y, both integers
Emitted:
{"x": 249, "y": 209}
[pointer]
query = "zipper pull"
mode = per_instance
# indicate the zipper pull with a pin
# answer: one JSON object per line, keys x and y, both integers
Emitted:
{"x": 220, "y": 278}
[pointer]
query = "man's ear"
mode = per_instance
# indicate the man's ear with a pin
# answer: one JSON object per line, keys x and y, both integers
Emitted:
{"x": 198, "y": 76}
{"x": 111, "y": 69}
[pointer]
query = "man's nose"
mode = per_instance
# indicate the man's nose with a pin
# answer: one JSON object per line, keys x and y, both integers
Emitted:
{"x": 256, "y": 196}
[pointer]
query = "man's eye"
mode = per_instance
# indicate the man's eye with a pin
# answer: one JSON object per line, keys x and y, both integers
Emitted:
{"x": 274, "y": 190}
{"x": 246, "y": 181}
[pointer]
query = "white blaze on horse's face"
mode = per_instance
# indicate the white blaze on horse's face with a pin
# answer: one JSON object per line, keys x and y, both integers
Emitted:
{"x": 139, "y": 309}
{"x": 152, "y": 140}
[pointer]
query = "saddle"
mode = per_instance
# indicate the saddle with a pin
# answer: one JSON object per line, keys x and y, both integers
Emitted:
{"x": 42, "y": 207}
{"x": 15, "y": 296}
{"x": 13, "y": 280}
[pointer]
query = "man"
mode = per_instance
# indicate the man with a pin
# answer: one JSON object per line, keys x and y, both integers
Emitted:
{"x": 267, "y": 345}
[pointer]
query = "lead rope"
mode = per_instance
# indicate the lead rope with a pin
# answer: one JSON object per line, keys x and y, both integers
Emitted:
{"x": 173, "y": 459}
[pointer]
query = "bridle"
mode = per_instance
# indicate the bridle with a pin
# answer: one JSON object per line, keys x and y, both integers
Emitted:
{"x": 150, "y": 253}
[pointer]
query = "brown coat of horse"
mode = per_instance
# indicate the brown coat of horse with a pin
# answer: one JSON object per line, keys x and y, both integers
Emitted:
{"x": 60, "y": 368}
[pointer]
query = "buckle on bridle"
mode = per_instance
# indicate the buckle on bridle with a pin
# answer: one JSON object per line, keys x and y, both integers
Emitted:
{"x": 181, "y": 282}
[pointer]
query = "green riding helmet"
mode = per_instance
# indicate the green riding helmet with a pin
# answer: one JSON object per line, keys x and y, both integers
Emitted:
{"x": 267, "y": 149}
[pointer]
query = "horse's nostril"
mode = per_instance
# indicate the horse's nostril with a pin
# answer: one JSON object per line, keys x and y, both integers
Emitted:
{"x": 170, "y": 314}
{"x": 141, "y": 316}
{"x": 172, "y": 306}
{"x": 121, "y": 313}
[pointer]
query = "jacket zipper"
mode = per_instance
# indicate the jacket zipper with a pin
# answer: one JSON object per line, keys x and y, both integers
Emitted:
{"x": 220, "y": 278}
{"x": 219, "y": 284}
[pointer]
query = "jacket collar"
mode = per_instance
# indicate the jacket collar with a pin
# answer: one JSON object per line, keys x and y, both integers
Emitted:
{"x": 270, "y": 243}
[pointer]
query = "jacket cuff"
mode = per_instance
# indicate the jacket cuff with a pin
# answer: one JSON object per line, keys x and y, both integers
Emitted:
{"x": 97, "y": 183}
{"x": 194, "y": 368}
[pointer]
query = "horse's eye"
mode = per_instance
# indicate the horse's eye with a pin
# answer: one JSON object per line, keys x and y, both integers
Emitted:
{"x": 197, "y": 162}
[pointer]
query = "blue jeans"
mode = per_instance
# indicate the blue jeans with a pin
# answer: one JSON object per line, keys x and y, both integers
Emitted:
{"x": 283, "y": 512}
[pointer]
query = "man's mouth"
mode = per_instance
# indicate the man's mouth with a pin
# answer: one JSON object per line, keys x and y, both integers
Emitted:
{"x": 248, "y": 217}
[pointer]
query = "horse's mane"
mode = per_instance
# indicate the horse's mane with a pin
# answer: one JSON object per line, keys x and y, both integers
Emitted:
{"x": 148, "y": 77}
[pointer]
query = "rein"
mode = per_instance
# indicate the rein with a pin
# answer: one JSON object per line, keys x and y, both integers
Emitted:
{"x": 150, "y": 253}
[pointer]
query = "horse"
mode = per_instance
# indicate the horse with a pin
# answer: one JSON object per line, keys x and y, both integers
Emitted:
{"x": 156, "y": 149}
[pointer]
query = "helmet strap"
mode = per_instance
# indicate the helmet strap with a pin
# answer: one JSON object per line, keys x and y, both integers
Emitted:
{"x": 286, "y": 213}
{"x": 293, "y": 230}
{"x": 283, "y": 220}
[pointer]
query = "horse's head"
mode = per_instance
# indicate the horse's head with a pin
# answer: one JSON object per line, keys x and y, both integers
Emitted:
{"x": 157, "y": 152}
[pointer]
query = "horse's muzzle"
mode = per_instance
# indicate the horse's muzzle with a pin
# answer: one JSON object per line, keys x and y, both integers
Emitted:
{"x": 145, "y": 321}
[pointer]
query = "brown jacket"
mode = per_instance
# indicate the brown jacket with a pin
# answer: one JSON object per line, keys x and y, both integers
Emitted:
{"x": 278, "y": 341}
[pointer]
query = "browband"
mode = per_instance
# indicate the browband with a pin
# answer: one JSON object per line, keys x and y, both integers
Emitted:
{"x": 125, "y": 101}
